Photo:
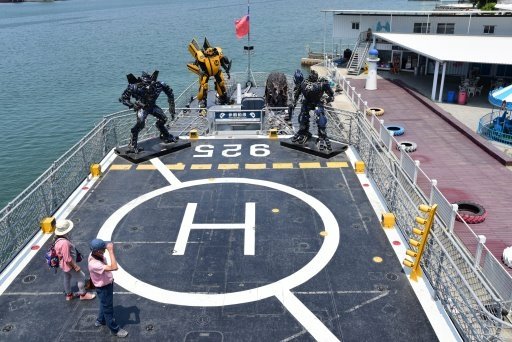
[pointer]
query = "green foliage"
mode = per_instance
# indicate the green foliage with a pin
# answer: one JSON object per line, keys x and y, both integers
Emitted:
{"x": 485, "y": 5}
{"x": 488, "y": 6}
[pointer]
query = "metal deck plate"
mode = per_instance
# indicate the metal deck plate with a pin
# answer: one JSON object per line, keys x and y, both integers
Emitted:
{"x": 281, "y": 245}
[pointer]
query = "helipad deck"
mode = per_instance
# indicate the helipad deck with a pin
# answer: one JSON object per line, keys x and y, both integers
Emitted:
{"x": 229, "y": 240}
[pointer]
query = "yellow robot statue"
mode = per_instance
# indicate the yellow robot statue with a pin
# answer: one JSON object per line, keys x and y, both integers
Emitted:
{"x": 208, "y": 63}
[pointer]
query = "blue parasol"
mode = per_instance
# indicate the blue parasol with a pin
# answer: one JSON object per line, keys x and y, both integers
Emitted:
{"x": 497, "y": 96}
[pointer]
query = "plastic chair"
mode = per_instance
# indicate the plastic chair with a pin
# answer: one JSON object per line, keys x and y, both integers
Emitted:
{"x": 471, "y": 91}
{"x": 478, "y": 90}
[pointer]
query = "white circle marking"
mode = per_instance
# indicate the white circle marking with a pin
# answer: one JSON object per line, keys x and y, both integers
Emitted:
{"x": 157, "y": 294}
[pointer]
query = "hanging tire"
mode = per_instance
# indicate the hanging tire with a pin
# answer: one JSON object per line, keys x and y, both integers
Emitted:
{"x": 378, "y": 111}
{"x": 395, "y": 130}
{"x": 407, "y": 146}
{"x": 470, "y": 212}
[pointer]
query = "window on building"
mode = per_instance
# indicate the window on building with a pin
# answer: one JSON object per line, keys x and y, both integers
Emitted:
{"x": 421, "y": 28}
{"x": 355, "y": 26}
{"x": 504, "y": 71}
{"x": 489, "y": 29}
{"x": 446, "y": 28}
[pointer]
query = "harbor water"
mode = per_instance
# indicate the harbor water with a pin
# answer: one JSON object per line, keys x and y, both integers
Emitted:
{"x": 63, "y": 64}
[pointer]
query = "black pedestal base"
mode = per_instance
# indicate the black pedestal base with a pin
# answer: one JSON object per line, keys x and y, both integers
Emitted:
{"x": 154, "y": 147}
{"x": 311, "y": 148}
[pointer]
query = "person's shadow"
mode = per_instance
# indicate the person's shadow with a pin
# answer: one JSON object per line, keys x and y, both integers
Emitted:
{"x": 127, "y": 315}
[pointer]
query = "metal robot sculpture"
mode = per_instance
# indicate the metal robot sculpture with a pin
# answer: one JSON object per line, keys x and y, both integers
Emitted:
{"x": 208, "y": 63}
{"x": 312, "y": 90}
{"x": 145, "y": 90}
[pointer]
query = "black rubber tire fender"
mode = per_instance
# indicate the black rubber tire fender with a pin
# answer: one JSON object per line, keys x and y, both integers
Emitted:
{"x": 395, "y": 130}
{"x": 378, "y": 111}
{"x": 471, "y": 212}
{"x": 407, "y": 146}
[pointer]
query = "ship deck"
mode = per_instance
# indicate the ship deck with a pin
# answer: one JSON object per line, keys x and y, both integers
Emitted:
{"x": 229, "y": 240}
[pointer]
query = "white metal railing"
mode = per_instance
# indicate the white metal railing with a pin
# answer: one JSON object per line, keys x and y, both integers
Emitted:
{"x": 473, "y": 258}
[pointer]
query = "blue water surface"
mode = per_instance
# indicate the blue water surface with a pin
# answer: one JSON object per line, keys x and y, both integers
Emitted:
{"x": 63, "y": 63}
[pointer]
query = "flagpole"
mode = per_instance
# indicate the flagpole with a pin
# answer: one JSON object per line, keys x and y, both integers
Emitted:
{"x": 249, "y": 43}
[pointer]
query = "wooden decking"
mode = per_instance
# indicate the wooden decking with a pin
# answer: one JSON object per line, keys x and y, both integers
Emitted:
{"x": 465, "y": 165}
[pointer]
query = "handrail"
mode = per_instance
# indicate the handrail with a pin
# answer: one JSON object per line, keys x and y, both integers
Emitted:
{"x": 490, "y": 129}
{"x": 490, "y": 281}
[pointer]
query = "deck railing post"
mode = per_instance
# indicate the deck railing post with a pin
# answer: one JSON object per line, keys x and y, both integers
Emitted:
{"x": 52, "y": 189}
{"x": 481, "y": 241}
{"x": 8, "y": 214}
{"x": 352, "y": 125}
{"x": 437, "y": 283}
{"x": 433, "y": 184}
{"x": 452, "y": 219}
{"x": 415, "y": 176}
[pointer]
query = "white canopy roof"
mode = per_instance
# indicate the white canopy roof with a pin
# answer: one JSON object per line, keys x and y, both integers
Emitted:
{"x": 440, "y": 47}
{"x": 507, "y": 7}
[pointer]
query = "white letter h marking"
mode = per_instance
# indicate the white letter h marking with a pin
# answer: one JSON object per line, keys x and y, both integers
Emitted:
{"x": 187, "y": 224}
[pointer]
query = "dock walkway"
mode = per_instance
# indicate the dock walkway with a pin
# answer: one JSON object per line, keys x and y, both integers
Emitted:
{"x": 466, "y": 166}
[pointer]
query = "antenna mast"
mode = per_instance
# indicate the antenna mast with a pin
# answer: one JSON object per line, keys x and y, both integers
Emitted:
{"x": 249, "y": 48}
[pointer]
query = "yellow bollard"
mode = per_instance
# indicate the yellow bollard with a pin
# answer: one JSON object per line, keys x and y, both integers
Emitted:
{"x": 193, "y": 134}
{"x": 48, "y": 225}
{"x": 272, "y": 133}
{"x": 359, "y": 167}
{"x": 388, "y": 220}
{"x": 95, "y": 170}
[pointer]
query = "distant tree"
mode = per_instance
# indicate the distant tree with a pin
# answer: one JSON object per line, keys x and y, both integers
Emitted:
{"x": 484, "y": 5}
{"x": 488, "y": 6}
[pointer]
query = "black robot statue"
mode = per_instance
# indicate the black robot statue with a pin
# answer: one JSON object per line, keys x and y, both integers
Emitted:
{"x": 312, "y": 90}
{"x": 145, "y": 90}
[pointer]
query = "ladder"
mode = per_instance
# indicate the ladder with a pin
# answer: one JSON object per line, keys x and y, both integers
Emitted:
{"x": 359, "y": 54}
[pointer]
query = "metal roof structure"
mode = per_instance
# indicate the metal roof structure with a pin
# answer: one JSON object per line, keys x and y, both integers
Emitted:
{"x": 417, "y": 12}
{"x": 454, "y": 48}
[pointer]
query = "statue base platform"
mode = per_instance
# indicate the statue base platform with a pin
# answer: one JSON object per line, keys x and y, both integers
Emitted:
{"x": 153, "y": 148}
{"x": 311, "y": 148}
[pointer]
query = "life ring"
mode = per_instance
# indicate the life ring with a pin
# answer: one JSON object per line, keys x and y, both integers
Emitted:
{"x": 470, "y": 212}
{"x": 395, "y": 130}
{"x": 378, "y": 111}
{"x": 407, "y": 146}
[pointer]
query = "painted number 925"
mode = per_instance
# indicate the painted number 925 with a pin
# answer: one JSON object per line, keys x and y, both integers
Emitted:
{"x": 232, "y": 150}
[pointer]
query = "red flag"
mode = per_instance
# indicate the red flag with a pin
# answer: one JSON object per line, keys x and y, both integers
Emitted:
{"x": 242, "y": 26}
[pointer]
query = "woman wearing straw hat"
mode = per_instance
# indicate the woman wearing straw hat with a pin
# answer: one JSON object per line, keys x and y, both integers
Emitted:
{"x": 67, "y": 254}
